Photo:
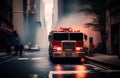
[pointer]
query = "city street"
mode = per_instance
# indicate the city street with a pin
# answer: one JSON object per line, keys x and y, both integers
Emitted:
{"x": 60, "y": 39}
{"x": 37, "y": 64}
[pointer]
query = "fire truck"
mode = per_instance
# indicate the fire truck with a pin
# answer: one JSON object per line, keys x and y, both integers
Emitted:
{"x": 65, "y": 43}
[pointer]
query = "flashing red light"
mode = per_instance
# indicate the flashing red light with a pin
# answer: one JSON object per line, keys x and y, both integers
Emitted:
{"x": 76, "y": 30}
{"x": 70, "y": 29}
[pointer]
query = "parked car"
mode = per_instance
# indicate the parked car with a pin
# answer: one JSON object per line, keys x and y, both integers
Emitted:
{"x": 35, "y": 48}
{"x": 26, "y": 47}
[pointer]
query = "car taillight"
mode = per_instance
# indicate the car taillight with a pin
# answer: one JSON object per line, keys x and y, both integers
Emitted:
{"x": 58, "y": 49}
{"x": 78, "y": 49}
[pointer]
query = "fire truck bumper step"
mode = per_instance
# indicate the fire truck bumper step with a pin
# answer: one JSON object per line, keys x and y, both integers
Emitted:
{"x": 81, "y": 54}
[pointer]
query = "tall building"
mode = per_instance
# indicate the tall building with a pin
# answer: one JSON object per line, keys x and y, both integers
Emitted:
{"x": 55, "y": 13}
{"x": 18, "y": 17}
{"x": 60, "y": 9}
{"x": 6, "y": 25}
{"x": 29, "y": 21}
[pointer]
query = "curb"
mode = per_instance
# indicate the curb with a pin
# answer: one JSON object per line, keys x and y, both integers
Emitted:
{"x": 117, "y": 67}
{"x": 1, "y": 55}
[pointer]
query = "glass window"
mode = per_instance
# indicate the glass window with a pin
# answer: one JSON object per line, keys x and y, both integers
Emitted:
{"x": 60, "y": 36}
{"x": 76, "y": 36}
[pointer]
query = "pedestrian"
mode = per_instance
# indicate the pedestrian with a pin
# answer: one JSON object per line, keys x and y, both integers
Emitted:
{"x": 29, "y": 44}
{"x": 21, "y": 49}
{"x": 16, "y": 49}
{"x": 8, "y": 48}
{"x": 91, "y": 49}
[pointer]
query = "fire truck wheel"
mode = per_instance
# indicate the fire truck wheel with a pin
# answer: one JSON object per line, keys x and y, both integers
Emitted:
{"x": 50, "y": 53}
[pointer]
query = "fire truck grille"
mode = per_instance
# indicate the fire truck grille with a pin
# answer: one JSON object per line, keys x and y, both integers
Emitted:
{"x": 68, "y": 45}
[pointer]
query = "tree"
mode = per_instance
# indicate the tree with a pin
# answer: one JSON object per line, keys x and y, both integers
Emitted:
{"x": 97, "y": 9}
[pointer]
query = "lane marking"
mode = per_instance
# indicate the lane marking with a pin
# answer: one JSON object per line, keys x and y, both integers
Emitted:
{"x": 112, "y": 71}
{"x": 68, "y": 72}
{"x": 4, "y": 56}
{"x": 33, "y": 76}
{"x": 36, "y": 58}
{"x": 9, "y": 60}
{"x": 100, "y": 66}
{"x": 22, "y": 58}
{"x": 29, "y": 58}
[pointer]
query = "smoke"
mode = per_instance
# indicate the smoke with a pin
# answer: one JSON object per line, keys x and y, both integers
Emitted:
{"x": 71, "y": 17}
{"x": 75, "y": 20}
{"x": 72, "y": 6}
{"x": 78, "y": 21}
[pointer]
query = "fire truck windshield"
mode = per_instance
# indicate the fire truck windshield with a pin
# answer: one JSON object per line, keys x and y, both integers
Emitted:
{"x": 60, "y": 36}
{"x": 65, "y": 36}
{"x": 76, "y": 36}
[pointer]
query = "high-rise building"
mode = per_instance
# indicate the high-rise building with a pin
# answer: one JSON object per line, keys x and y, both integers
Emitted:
{"x": 6, "y": 26}
{"x": 29, "y": 20}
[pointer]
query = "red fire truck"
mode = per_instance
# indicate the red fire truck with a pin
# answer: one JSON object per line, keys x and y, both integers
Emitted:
{"x": 66, "y": 42}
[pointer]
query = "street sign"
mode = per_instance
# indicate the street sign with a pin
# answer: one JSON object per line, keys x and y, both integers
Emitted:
{"x": 90, "y": 39}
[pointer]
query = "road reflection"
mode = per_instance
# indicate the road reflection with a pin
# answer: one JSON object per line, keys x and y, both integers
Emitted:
{"x": 77, "y": 71}
{"x": 58, "y": 67}
{"x": 80, "y": 68}
{"x": 80, "y": 75}
{"x": 81, "y": 71}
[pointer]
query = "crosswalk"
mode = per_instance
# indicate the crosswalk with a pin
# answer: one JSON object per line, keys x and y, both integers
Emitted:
{"x": 5, "y": 59}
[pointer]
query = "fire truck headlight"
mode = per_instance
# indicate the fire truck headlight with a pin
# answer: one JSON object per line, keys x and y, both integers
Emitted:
{"x": 78, "y": 49}
{"x": 59, "y": 49}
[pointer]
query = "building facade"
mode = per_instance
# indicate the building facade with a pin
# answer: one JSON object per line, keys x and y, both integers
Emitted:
{"x": 113, "y": 27}
{"x": 29, "y": 20}
{"x": 6, "y": 25}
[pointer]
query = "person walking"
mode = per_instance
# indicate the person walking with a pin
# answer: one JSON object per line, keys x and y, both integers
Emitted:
{"x": 16, "y": 49}
{"x": 29, "y": 44}
{"x": 21, "y": 49}
{"x": 91, "y": 49}
{"x": 8, "y": 48}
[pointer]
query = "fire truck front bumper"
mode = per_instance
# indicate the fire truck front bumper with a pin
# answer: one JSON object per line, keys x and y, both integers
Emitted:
{"x": 71, "y": 55}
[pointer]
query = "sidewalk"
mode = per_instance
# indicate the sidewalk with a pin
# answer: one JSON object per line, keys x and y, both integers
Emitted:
{"x": 5, "y": 54}
{"x": 111, "y": 60}
{"x": 2, "y": 54}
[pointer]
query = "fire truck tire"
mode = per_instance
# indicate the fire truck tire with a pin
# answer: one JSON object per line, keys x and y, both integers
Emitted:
{"x": 50, "y": 53}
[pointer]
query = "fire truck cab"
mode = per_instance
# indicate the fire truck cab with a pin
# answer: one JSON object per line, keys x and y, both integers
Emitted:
{"x": 65, "y": 43}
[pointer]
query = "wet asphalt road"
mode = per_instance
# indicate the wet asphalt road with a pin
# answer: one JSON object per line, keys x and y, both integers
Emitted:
{"x": 38, "y": 65}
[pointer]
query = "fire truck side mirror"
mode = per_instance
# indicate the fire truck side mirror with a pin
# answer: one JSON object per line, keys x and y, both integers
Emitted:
{"x": 85, "y": 37}
{"x": 50, "y": 38}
